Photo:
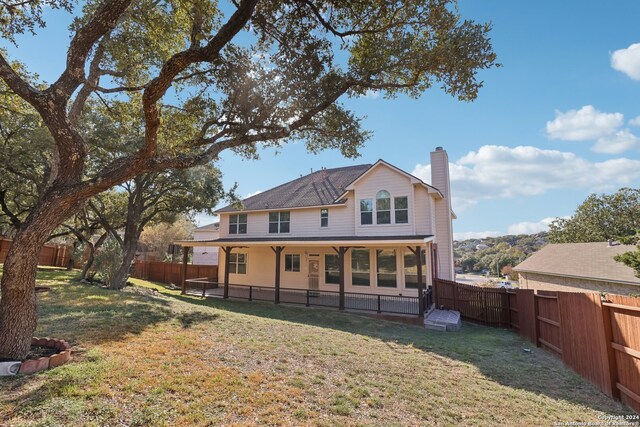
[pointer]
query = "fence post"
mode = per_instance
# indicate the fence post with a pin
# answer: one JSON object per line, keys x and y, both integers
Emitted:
{"x": 485, "y": 312}
{"x": 434, "y": 287}
{"x": 508, "y": 305}
{"x": 183, "y": 270}
{"x": 204, "y": 288}
{"x": 455, "y": 297}
{"x": 611, "y": 356}
{"x": 379, "y": 308}
{"x": 250, "y": 293}
{"x": 536, "y": 324}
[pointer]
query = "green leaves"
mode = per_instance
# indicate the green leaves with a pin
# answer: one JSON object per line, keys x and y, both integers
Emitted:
{"x": 19, "y": 16}
{"x": 630, "y": 259}
{"x": 600, "y": 218}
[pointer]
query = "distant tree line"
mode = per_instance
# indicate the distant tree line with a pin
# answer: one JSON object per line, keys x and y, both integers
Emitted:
{"x": 496, "y": 254}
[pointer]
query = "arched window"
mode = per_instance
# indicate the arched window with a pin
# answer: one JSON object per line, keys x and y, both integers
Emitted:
{"x": 383, "y": 207}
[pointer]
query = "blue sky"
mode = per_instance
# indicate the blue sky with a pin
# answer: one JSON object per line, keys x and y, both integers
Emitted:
{"x": 551, "y": 126}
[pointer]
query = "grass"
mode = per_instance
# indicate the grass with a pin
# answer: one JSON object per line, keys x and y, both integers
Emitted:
{"x": 148, "y": 356}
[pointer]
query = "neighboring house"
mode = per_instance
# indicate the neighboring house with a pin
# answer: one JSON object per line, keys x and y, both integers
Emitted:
{"x": 579, "y": 267}
{"x": 206, "y": 255}
{"x": 368, "y": 224}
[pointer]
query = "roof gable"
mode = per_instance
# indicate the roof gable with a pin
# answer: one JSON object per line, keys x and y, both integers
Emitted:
{"x": 381, "y": 163}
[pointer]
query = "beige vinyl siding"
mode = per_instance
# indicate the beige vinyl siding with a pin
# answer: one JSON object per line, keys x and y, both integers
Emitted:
{"x": 305, "y": 222}
{"x": 398, "y": 185}
{"x": 423, "y": 212}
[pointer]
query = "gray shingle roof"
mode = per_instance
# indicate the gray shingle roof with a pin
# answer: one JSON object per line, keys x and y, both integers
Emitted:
{"x": 209, "y": 227}
{"x": 586, "y": 260}
{"x": 322, "y": 187}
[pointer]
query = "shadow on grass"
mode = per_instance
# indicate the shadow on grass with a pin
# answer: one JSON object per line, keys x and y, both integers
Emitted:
{"x": 499, "y": 354}
{"x": 87, "y": 315}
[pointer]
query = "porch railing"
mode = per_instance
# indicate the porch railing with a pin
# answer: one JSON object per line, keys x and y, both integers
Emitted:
{"x": 312, "y": 297}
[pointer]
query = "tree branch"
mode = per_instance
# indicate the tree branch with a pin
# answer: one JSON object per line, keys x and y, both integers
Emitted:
{"x": 180, "y": 61}
{"x": 103, "y": 20}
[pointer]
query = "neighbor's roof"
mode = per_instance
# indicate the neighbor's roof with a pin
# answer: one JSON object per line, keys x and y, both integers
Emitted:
{"x": 319, "y": 188}
{"x": 581, "y": 260}
{"x": 209, "y": 227}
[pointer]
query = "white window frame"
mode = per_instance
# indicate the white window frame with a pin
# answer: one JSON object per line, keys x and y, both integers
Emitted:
{"x": 237, "y": 223}
{"x": 324, "y": 215}
{"x": 292, "y": 269}
{"x": 395, "y": 210}
{"x": 279, "y": 222}
{"x": 378, "y": 210}
{"x": 370, "y": 201}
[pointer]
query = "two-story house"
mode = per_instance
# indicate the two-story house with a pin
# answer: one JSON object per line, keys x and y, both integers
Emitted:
{"x": 358, "y": 229}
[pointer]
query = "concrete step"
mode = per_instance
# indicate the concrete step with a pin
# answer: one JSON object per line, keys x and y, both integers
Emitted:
{"x": 435, "y": 326}
{"x": 445, "y": 320}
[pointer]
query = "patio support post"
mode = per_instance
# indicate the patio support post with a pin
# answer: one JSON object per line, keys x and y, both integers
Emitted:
{"x": 341, "y": 251}
{"x": 418, "y": 253}
{"x": 227, "y": 253}
{"x": 278, "y": 251}
{"x": 183, "y": 271}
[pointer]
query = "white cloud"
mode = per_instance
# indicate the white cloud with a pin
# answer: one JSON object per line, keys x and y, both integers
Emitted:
{"x": 371, "y": 94}
{"x": 530, "y": 227}
{"x": 586, "y": 123}
{"x": 475, "y": 235}
{"x": 635, "y": 121}
{"x": 498, "y": 172}
{"x": 627, "y": 61}
{"x": 255, "y": 193}
{"x": 619, "y": 142}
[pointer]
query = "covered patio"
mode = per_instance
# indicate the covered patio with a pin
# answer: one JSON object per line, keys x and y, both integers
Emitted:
{"x": 417, "y": 250}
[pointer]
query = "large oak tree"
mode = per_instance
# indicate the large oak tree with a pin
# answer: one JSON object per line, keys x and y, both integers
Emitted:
{"x": 232, "y": 76}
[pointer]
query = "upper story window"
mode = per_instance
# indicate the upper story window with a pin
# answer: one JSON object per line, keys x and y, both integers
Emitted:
{"x": 324, "y": 217}
{"x": 401, "y": 207}
{"x": 279, "y": 222}
{"x": 383, "y": 207}
{"x": 366, "y": 211}
{"x": 238, "y": 224}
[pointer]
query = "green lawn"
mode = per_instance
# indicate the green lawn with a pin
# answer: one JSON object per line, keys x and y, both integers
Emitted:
{"x": 148, "y": 356}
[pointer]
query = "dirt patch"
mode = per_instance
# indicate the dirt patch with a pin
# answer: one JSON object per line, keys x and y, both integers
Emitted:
{"x": 38, "y": 351}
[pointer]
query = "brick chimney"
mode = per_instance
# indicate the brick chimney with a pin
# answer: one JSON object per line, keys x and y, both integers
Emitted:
{"x": 444, "y": 217}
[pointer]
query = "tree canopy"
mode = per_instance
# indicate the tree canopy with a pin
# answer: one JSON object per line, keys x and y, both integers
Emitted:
{"x": 600, "y": 218}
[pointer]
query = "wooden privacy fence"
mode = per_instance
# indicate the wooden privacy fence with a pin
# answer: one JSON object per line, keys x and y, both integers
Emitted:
{"x": 485, "y": 305}
{"x": 165, "y": 272}
{"x": 50, "y": 255}
{"x": 599, "y": 339}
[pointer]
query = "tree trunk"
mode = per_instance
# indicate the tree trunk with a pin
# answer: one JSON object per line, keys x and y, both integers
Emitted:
{"x": 132, "y": 230}
{"x": 119, "y": 281}
{"x": 18, "y": 314}
{"x": 92, "y": 254}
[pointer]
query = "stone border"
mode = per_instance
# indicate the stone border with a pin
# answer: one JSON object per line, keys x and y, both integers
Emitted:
{"x": 42, "y": 364}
